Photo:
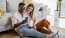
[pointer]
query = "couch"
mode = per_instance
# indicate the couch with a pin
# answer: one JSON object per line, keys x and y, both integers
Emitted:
{"x": 5, "y": 22}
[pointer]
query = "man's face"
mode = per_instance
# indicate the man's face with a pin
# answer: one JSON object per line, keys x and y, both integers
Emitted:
{"x": 22, "y": 8}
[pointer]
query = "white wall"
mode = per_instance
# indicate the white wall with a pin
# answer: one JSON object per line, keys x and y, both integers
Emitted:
{"x": 10, "y": 5}
{"x": 38, "y": 1}
{"x": 61, "y": 23}
{"x": 51, "y": 4}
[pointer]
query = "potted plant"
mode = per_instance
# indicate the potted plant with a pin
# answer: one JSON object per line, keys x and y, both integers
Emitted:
{"x": 57, "y": 11}
{"x": 59, "y": 4}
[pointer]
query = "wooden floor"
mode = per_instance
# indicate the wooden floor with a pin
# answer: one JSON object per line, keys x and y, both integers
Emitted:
{"x": 13, "y": 34}
{"x": 9, "y": 34}
{"x": 57, "y": 28}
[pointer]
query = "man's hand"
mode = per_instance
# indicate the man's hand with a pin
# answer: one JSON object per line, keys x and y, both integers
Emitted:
{"x": 24, "y": 21}
{"x": 17, "y": 25}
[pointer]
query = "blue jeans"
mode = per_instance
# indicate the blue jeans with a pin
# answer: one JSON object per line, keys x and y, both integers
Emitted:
{"x": 26, "y": 31}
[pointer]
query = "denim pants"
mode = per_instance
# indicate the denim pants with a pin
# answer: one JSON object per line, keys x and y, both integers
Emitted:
{"x": 26, "y": 31}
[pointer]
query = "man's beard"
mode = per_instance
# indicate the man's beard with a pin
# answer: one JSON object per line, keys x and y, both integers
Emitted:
{"x": 21, "y": 10}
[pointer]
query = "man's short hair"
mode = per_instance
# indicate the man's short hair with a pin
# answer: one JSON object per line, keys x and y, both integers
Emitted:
{"x": 20, "y": 4}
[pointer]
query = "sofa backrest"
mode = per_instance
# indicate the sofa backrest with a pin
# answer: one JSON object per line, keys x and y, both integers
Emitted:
{"x": 40, "y": 14}
{"x": 12, "y": 5}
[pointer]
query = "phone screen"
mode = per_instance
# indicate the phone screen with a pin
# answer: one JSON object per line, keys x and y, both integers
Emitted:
{"x": 26, "y": 18}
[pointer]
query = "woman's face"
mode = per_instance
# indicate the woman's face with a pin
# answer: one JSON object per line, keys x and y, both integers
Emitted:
{"x": 29, "y": 9}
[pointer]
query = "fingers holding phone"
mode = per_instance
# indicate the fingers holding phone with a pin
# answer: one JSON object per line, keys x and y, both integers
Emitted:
{"x": 25, "y": 21}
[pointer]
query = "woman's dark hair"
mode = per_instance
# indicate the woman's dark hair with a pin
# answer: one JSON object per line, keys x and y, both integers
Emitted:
{"x": 31, "y": 13}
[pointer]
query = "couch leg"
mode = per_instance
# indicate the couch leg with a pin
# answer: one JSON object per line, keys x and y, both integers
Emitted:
{"x": 20, "y": 36}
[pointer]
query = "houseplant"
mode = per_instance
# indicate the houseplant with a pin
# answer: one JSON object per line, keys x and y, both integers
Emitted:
{"x": 57, "y": 11}
{"x": 59, "y": 4}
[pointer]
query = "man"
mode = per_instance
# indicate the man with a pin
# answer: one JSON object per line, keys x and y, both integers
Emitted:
{"x": 17, "y": 17}
{"x": 19, "y": 23}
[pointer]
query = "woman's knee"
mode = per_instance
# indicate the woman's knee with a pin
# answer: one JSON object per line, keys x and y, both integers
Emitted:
{"x": 43, "y": 30}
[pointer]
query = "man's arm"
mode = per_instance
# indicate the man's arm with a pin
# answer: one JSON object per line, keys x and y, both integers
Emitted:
{"x": 15, "y": 22}
{"x": 18, "y": 24}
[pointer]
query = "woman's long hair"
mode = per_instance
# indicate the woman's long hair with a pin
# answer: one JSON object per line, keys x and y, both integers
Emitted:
{"x": 31, "y": 13}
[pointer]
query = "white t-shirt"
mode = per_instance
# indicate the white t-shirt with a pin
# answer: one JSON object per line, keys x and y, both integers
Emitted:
{"x": 30, "y": 21}
{"x": 17, "y": 18}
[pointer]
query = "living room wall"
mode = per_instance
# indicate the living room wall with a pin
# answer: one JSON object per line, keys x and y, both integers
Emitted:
{"x": 27, "y": 2}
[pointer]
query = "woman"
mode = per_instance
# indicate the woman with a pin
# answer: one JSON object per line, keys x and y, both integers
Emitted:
{"x": 42, "y": 26}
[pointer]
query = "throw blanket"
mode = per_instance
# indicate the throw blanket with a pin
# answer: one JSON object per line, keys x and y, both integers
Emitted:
{"x": 1, "y": 12}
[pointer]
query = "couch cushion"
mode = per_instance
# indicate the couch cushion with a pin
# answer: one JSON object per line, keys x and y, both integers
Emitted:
{"x": 5, "y": 18}
{"x": 11, "y": 4}
{"x": 5, "y": 22}
{"x": 39, "y": 15}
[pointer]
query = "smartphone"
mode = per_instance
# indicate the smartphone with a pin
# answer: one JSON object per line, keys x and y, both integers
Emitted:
{"x": 26, "y": 18}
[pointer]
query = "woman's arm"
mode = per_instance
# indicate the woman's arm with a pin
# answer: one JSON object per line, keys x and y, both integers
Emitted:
{"x": 34, "y": 20}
